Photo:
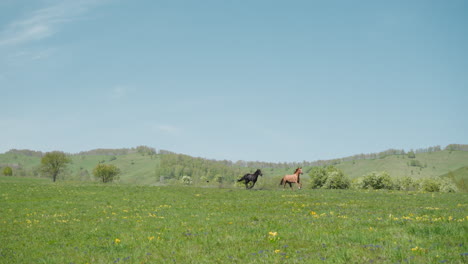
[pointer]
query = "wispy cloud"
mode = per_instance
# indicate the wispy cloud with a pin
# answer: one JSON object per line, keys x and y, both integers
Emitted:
{"x": 44, "y": 22}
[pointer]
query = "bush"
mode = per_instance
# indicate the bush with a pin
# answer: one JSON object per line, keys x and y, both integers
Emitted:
{"x": 7, "y": 171}
{"x": 405, "y": 184}
{"x": 447, "y": 185}
{"x": 318, "y": 177}
{"x": 337, "y": 180}
{"x": 437, "y": 185}
{"x": 377, "y": 181}
{"x": 429, "y": 185}
{"x": 329, "y": 178}
{"x": 187, "y": 180}
{"x": 415, "y": 163}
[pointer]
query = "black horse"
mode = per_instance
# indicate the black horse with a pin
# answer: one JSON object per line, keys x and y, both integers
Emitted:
{"x": 251, "y": 178}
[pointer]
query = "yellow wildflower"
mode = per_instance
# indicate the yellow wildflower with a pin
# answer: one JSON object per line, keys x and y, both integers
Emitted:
{"x": 117, "y": 241}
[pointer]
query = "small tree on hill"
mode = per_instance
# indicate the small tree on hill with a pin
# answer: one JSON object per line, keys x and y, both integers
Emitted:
{"x": 411, "y": 155}
{"x": 53, "y": 163}
{"x": 7, "y": 171}
{"x": 106, "y": 172}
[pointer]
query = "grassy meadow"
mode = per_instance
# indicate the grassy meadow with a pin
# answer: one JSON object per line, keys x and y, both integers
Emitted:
{"x": 83, "y": 222}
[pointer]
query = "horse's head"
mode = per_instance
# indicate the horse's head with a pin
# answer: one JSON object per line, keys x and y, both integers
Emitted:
{"x": 298, "y": 171}
{"x": 259, "y": 172}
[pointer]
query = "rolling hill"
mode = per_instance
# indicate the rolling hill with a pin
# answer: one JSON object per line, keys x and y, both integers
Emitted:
{"x": 145, "y": 168}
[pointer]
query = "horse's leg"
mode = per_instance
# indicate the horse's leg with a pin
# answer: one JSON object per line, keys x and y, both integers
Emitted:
{"x": 253, "y": 184}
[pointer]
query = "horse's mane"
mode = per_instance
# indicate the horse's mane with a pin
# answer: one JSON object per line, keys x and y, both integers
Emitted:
{"x": 296, "y": 170}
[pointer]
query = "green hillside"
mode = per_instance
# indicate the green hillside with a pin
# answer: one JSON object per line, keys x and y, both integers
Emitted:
{"x": 430, "y": 164}
{"x": 22, "y": 164}
{"x": 144, "y": 168}
{"x": 135, "y": 168}
{"x": 460, "y": 177}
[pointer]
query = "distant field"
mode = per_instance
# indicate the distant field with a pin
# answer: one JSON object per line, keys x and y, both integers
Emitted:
{"x": 43, "y": 222}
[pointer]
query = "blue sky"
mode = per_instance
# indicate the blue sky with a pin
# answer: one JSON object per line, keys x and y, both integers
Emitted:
{"x": 238, "y": 80}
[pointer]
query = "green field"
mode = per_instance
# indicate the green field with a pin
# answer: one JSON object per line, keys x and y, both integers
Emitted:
{"x": 70, "y": 222}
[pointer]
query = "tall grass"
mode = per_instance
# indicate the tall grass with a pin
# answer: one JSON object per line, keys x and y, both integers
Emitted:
{"x": 42, "y": 222}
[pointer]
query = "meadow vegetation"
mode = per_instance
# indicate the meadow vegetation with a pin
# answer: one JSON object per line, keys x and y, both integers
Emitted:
{"x": 83, "y": 222}
{"x": 146, "y": 166}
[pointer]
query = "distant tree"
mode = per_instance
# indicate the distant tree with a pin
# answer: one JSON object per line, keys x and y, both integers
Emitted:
{"x": 416, "y": 163}
{"x": 7, "y": 171}
{"x": 106, "y": 172}
{"x": 411, "y": 155}
{"x": 145, "y": 150}
{"x": 53, "y": 163}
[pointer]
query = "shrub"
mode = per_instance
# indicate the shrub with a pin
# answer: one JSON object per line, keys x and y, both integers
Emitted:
{"x": 7, "y": 171}
{"x": 415, "y": 163}
{"x": 377, "y": 181}
{"x": 405, "y": 184}
{"x": 447, "y": 185}
{"x": 429, "y": 185}
{"x": 318, "y": 177}
{"x": 337, "y": 180}
{"x": 187, "y": 180}
{"x": 329, "y": 178}
{"x": 437, "y": 185}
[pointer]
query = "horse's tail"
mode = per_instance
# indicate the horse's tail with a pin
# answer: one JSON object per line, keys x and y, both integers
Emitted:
{"x": 241, "y": 179}
{"x": 282, "y": 180}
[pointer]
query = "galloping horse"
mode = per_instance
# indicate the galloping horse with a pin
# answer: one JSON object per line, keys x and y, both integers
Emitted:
{"x": 292, "y": 179}
{"x": 251, "y": 178}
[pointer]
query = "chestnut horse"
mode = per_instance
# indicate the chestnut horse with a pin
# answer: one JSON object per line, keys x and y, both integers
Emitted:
{"x": 292, "y": 179}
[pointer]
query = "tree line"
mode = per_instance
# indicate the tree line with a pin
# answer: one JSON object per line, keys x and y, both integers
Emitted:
{"x": 176, "y": 166}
